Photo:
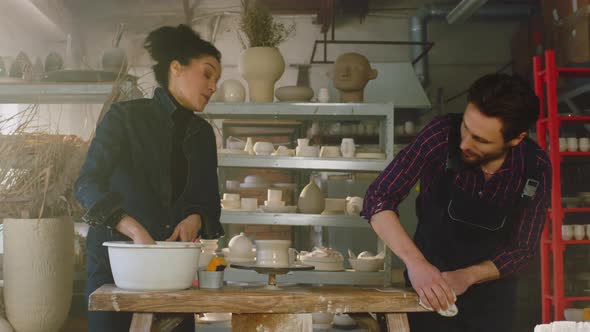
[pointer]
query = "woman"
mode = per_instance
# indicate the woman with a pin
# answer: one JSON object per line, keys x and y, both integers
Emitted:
{"x": 151, "y": 170}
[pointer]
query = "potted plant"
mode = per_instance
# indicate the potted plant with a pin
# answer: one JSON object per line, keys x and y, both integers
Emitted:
{"x": 37, "y": 173}
{"x": 261, "y": 63}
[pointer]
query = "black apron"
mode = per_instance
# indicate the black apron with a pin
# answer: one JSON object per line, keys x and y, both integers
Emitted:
{"x": 456, "y": 230}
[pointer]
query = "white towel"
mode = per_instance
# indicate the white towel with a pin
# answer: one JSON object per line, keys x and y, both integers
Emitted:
{"x": 450, "y": 312}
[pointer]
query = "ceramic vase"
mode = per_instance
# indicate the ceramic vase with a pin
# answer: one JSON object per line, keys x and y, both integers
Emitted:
{"x": 311, "y": 199}
{"x": 261, "y": 67}
{"x": 38, "y": 272}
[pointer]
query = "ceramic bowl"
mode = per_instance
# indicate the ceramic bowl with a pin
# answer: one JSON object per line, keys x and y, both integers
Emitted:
{"x": 263, "y": 148}
{"x": 240, "y": 246}
{"x": 156, "y": 267}
{"x": 236, "y": 145}
{"x": 254, "y": 179}
{"x": 294, "y": 93}
{"x": 366, "y": 265}
{"x": 273, "y": 253}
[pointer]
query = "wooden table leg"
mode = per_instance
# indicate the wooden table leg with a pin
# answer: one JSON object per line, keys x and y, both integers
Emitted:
{"x": 398, "y": 322}
{"x": 142, "y": 322}
{"x": 271, "y": 322}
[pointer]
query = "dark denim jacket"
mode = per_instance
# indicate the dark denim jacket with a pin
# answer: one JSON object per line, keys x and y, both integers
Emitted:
{"x": 128, "y": 168}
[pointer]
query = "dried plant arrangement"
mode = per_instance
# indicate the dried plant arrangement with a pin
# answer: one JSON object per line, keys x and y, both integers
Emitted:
{"x": 259, "y": 27}
{"x": 37, "y": 170}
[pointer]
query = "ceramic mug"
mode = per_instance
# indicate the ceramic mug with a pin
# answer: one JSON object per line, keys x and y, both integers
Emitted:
{"x": 567, "y": 232}
{"x": 409, "y": 128}
{"x": 272, "y": 253}
{"x": 572, "y": 144}
{"x": 584, "y": 144}
{"x": 579, "y": 232}
{"x": 562, "y": 144}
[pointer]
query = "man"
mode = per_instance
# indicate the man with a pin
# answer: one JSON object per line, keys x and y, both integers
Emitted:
{"x": 482, "y": 206}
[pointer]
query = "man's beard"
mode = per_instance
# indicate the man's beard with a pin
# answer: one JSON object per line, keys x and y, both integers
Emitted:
{"x": 481, "y": 160}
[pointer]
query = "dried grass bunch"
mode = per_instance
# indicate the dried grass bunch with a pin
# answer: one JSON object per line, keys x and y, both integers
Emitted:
{"x": 259, "y": 27}
{"x": 37, "y": 170}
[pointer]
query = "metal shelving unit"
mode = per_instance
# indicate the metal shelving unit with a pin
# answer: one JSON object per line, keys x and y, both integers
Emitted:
{"x": 292, "y": 219}
{"x": 383, "y": 113}
{"x": 552, "y": 244}
{"x": 322, "y": 164}
{"x": 55, "y": 93}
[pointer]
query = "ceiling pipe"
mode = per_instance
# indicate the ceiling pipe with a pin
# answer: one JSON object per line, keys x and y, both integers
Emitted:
{"x": 418, "y": 27}
{"x": 464, "y": 10}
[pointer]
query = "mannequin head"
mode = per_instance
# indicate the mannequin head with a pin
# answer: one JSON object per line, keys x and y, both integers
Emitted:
{"x": 350, "y": 74}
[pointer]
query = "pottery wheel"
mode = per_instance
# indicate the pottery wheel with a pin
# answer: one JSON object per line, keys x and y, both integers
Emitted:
{"x": 273, "y": 271}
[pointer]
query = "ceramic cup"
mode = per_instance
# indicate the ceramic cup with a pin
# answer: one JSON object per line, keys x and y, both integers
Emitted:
{"x": 567, "y": 232}
{"x": 272, "y": 253}
{"x": 584, "y": 144}
{"x": 572, "y": 144}
{"x": 249, "y": 203}
{"x": 274, "y": 195}
{"x": 579, "y": 232}
{"x": 347, "y": 148}
{"x": 354, "y": 205}
{"x": 409, "y": 128}
{"x": 323, "y": 95}
{"x": 562, "y": 144}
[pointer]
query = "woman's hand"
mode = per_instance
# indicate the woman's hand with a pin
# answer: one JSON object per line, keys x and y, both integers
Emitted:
{"x": 134, "y": 230}
{"x": 187, "y": 229}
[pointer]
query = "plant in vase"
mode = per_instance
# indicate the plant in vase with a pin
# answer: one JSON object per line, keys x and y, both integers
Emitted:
{"x": 37, "y": 173}
{"x": 261, "y": 63}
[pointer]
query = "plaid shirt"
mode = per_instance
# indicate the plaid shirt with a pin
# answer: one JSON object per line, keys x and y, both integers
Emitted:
{"x": 425, "y": 158}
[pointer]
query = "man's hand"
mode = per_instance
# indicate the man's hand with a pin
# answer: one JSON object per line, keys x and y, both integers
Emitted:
{"x": 459, "y": 280}
{"x": 430, "y": 285}
{"x": 187, "y": 229}
{"x": 134, "y": 230}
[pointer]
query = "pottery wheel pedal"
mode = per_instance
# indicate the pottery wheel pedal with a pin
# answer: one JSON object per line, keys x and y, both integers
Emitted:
{"x": 273, "y": 271}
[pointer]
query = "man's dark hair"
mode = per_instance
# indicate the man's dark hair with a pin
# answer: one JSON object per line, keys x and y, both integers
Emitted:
{"x": 180, "y": 43}
{"x": 508, "y": 98}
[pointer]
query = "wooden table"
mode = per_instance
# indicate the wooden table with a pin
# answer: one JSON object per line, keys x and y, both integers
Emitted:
{"x": 286, "y": 309}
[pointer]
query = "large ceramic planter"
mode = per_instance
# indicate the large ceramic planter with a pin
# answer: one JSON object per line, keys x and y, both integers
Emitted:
{"x": 38, "y": 272}
{"x": 261, "y": 67}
